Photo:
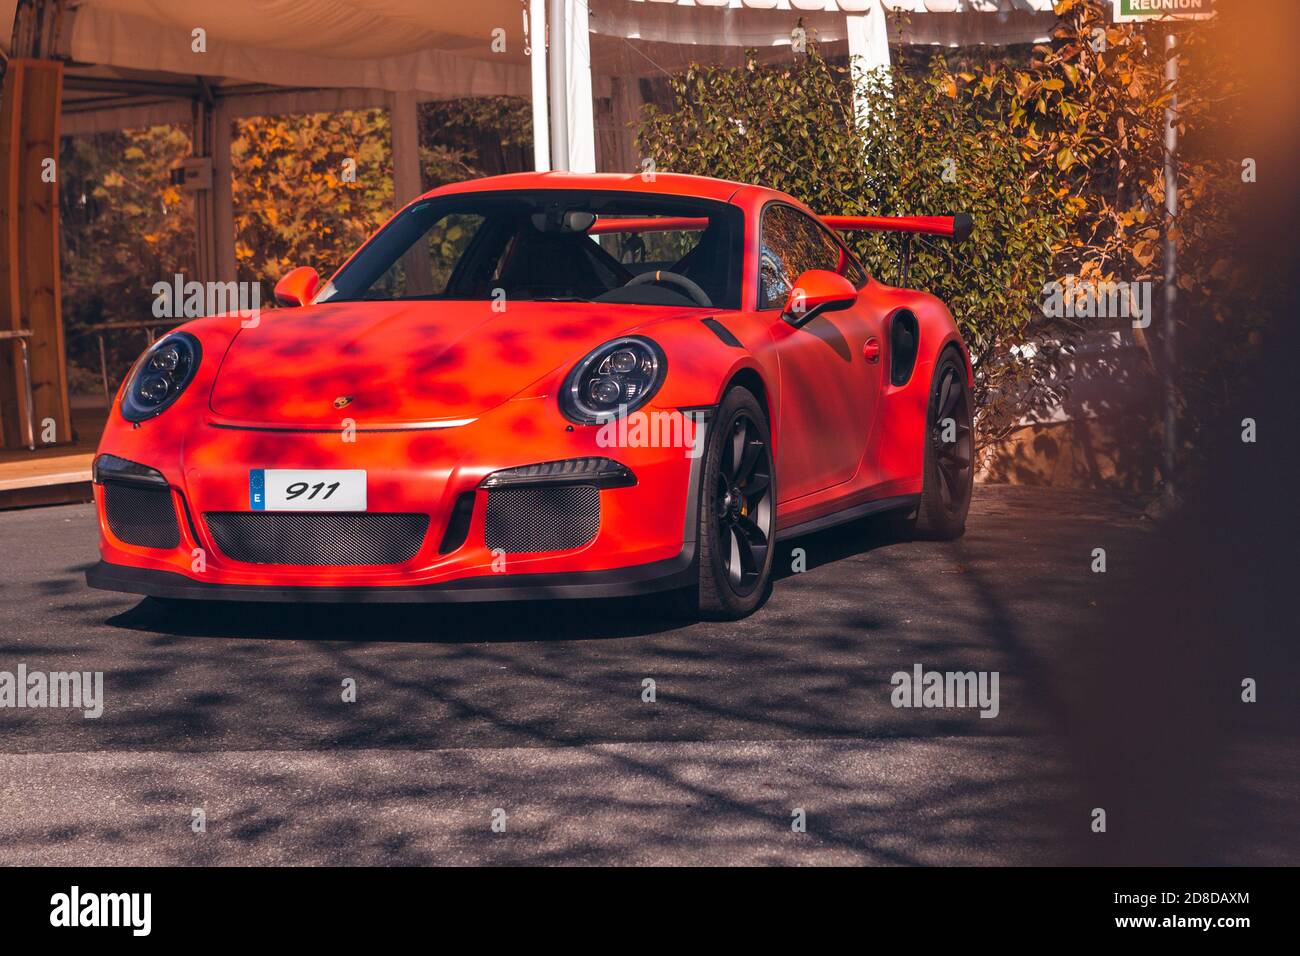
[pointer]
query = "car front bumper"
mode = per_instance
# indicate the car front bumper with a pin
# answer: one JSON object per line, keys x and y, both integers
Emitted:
{"x": 645, "y": 540}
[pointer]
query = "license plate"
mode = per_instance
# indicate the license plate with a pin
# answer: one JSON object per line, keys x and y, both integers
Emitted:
{"x": 298, "y": 489}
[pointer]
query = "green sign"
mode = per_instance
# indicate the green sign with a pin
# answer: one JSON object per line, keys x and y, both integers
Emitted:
{"x": 1129, "y": 11}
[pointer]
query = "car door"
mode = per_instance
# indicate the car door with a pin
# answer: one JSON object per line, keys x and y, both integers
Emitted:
{"x": 828, "y": 387}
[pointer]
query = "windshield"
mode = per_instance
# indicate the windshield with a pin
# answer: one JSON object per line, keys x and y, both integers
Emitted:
{"x": 552, "y": 245}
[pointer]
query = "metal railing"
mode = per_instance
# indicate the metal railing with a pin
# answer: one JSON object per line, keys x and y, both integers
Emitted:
{"x": 148, "y": 326}
{"x": 21, "y": 336}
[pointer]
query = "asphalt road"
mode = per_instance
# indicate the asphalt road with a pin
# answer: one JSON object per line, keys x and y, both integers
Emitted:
{"x": 537, "y": 710}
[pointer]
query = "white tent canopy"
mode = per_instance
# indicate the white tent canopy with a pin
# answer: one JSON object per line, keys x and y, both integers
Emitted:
{"x": 443, "y": 49}
{"x": 138, "y": 62}
{"x": 395, "y": 45}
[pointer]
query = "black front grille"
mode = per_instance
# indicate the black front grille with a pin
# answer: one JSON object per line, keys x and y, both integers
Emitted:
{"x": 300, "y": 537}
{"x": 142, "y": 516}
{"x": 542, "y": 519}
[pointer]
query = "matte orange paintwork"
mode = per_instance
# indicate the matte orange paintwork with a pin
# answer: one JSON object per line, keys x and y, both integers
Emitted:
{"x": 842, "y": 434}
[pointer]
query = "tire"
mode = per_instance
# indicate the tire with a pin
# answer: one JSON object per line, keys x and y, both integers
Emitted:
{"x": 949, "y": 468}
{"x": 736, "y": 514}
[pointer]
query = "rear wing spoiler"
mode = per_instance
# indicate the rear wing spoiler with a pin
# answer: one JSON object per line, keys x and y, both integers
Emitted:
{"x": 956, "y": 227}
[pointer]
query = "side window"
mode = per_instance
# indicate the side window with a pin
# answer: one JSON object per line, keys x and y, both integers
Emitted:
{"x": 792, "y": 243}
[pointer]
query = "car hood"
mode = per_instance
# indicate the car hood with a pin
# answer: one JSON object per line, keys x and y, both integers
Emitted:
{"x": 405, "y": 362}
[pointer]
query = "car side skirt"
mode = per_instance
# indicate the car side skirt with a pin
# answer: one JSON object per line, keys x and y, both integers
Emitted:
{"x": 896, "y": 503}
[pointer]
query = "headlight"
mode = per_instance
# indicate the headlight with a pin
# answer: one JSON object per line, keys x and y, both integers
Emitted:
{"x": 621, "y": 375}
{"x": 161, "y": 376}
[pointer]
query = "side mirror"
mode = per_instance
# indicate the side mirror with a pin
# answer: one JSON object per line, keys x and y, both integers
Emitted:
{"x": 297, "y": 287}
{"x": 815, "y": 292}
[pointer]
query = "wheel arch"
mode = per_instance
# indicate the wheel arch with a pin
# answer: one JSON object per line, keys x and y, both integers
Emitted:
{"x": 751, "y": 379}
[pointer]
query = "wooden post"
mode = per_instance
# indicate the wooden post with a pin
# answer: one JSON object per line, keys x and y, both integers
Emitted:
{"x": 205, "y": 251}
{"x": 404, "y": 120}
{"x": 29, "y": 251}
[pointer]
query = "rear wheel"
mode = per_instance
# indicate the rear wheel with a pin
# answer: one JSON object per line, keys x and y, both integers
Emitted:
{"x": 737, "y": 512}
{"x": 949, "y": 453}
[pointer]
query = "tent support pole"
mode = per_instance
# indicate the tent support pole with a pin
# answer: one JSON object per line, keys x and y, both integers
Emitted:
{"x": 537, "y": 65}
{"x": 557, "y": 67}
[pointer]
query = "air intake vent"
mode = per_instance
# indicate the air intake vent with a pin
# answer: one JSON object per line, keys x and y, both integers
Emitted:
{"x": 542, "y": 519}
{"x": 141, "y": 516}
{"x": 458, "y": 524}
{"x": 294, "y": 537}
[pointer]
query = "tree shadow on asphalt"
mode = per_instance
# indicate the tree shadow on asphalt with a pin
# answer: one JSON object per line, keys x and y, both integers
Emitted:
{"x": 472, "y": 623}
{"x": 815, "y": 662}
{"x": 1013, "y": 596}
{"x": 608, "y": 805}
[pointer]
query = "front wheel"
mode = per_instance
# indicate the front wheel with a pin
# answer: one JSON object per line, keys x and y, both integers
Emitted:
{"x": 737, "y": 512}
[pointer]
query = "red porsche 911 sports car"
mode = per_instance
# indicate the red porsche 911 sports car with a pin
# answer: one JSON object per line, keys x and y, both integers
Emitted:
{"x": 542, "y": 386}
